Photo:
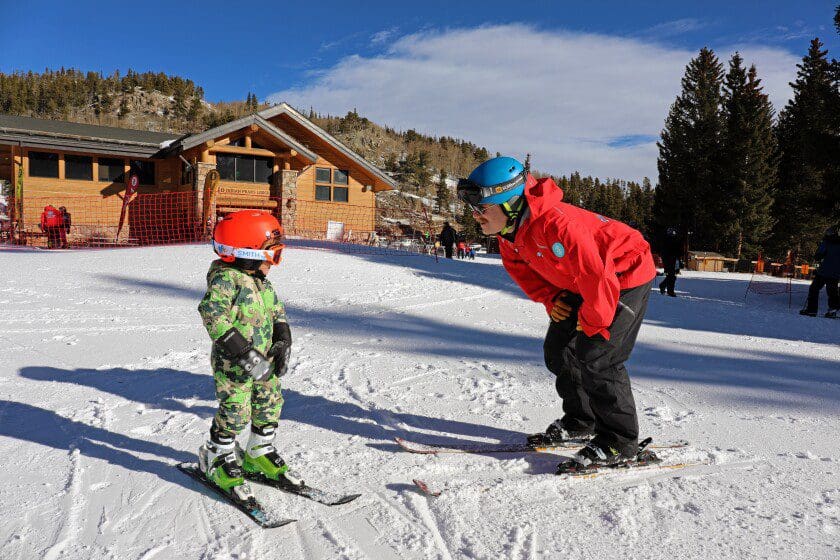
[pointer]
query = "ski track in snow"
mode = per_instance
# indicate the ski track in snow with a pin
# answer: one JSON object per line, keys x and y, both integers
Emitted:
{"x": 105, "y": 386}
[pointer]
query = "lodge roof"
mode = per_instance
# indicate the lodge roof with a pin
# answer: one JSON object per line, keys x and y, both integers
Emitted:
{"x": 188, "y": 142}
{"x": 286, "y": 109}
{"x": 58, "y": 135}
{"x": 54, "y": 134}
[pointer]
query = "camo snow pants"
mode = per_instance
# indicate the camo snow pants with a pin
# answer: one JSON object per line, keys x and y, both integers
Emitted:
{"x": 243, "y": 400}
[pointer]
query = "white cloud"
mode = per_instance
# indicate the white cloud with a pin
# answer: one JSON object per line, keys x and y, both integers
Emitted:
{"x": 676, "y": 27}
{"x": 565, "y": 97}
{"x": 382, "y": 36}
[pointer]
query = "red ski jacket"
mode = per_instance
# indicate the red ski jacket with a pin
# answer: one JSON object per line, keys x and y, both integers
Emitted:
{"x": 51, "y": 217}
{"x": 559, "y": 246}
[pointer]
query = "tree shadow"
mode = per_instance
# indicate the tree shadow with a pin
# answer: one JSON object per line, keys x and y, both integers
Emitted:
{"x": 30, "y": 423}
{"x": 352, "y": 419}
{"x": 166, "y": 288}
{"x": 760, "y": 370}
{"x": 162, "y": 388}
{"x": 395, "y": 330}
{"x": 717, "y": 304}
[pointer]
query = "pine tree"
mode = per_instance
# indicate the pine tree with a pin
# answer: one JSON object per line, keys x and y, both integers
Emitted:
{"x": 749, "y": 170}
{"x": 837, "y": 18}
{"x": 444, "y": 195}
{"x": 124, "y": 108}
{"x": 690, "y": 154}
{"x": 469, "y": 227}
{"x": 808, "y": 194}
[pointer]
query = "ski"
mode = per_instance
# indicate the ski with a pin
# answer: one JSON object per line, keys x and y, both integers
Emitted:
{"x": 625, "y": 469}
{"x": 645, "y": 458}
{"x": 304, "y": 490}
{"x": 509, "y": 447}
{"x": 252, "y": 508}
{"x": 423, "y": 487}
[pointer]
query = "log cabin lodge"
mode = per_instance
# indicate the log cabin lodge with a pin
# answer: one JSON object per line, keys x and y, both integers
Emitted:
{"x": 275, "y": 160}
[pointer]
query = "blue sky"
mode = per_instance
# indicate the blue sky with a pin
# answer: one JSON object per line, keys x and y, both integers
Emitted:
{"x": 582, "y": 85}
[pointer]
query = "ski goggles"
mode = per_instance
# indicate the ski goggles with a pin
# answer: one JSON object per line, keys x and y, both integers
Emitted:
{"x": 472, "y": 194}
{"x": 272, "y": 251}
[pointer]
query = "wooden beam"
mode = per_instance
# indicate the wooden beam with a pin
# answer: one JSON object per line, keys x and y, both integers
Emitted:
{"x": 253, "y": 128}
{"x": 209, "y": 144}
{"x": 248, "y": 141}
{"x": 250, "y": 151}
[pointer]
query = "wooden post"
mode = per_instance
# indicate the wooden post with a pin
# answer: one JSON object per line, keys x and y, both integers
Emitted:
{"x": 16, "y": 216}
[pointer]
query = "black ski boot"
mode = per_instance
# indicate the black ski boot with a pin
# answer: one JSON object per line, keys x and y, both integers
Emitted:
{"x": 832, "y": 313}
{"x": 595, "y": 456}
{"x": 808, "y": 313}
{"x": 557, "y": 434}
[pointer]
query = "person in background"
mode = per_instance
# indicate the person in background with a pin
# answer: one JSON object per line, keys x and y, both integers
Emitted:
{"x": 65, "y": 225}
{"x": 828, "y": 275}
{"x": 51, "y": 225}
{"x": 461, "y": 249}
{"x": 472, "y": 253}
{"x": 447, "y": 239}
{"x": 670, "y": 247}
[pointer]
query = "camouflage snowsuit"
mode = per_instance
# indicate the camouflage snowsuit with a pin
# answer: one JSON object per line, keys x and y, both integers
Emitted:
{"x": 238, "y": 299}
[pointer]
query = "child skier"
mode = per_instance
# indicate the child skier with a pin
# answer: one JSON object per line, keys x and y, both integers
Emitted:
{"x": 251, "y": 347}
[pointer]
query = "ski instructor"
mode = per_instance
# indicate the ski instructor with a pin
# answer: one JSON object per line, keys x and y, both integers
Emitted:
{"x": 594, "y": 276}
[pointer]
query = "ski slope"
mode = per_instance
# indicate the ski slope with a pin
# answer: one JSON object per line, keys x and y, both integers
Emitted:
{"x": 105, "y": 386}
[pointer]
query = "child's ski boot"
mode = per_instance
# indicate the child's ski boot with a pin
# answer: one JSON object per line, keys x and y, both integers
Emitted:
{"x": 218, "y": 463}
{"x": 260, "y": 458}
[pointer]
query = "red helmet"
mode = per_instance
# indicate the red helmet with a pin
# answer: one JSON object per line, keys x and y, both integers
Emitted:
{"x": 248, "y": 234}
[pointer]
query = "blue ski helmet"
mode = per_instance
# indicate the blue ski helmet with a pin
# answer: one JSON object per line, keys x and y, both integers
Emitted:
{"x": 495, "y": 181}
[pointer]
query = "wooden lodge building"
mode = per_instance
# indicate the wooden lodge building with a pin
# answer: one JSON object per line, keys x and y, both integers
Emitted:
{"x": 276, "y": 160}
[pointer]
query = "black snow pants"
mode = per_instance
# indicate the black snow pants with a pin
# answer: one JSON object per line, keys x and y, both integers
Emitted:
{"x": 591, "y": 377}
{"x": 670, "y": 266}
{"x": 830, "y": 289}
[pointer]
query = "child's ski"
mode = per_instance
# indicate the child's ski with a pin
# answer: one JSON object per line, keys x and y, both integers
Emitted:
{"x": 302, "y": 489}
{"x": 252, "y": 508}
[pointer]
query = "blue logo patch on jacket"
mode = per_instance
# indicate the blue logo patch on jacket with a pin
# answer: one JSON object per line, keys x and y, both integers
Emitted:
{"x": 558, "y": 250}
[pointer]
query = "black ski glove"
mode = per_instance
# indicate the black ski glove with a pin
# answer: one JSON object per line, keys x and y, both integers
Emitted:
{"x": 281, "y": 348}
{"x": 243, "y": 354}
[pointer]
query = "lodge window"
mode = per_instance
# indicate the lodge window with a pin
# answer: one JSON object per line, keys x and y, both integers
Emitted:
{"x": 78, "y": 167}
{"x": 331, "y": 184}
{"x": 187, "y": 173}
{"x": 244, "y": 169}
{"x": 112, "y": 170}
{"x": 145, "y": 171}
{"x": 43, "y": 164}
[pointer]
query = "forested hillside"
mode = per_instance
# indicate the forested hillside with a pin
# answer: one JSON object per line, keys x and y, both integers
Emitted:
{"x": 426, "y": 167}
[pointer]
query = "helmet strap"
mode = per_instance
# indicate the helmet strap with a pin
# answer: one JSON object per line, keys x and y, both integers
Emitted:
{"x": 513, "y": 210}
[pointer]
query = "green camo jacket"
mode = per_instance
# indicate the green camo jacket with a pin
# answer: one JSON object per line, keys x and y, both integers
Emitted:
{"x": 236, "y": 299}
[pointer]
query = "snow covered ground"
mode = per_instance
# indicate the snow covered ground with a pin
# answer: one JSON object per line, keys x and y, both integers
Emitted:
{"x": 105, "y": 386}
